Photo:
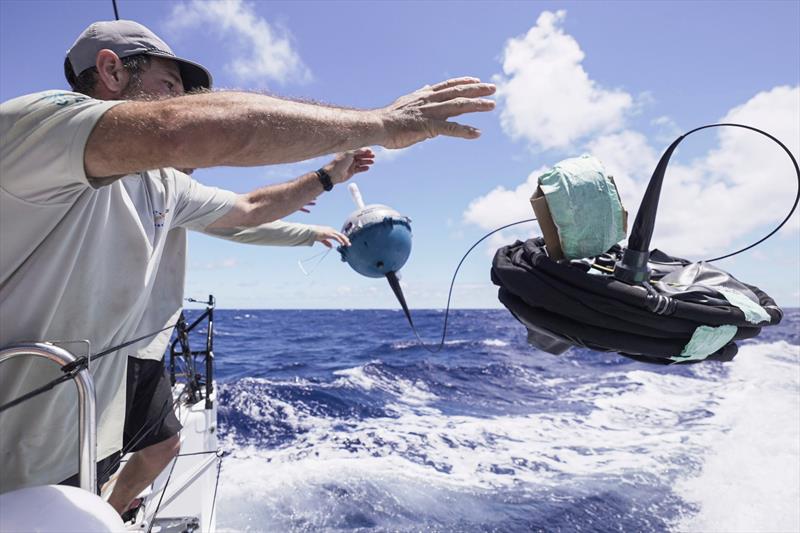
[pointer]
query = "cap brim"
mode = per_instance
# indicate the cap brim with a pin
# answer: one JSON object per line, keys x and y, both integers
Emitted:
{"x": 194, "y": 75}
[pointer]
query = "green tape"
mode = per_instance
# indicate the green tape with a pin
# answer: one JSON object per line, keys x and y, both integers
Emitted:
{"x": 705, "y": 341}
{"x": 753, "y": 312}
{"x": 585, "y": 206}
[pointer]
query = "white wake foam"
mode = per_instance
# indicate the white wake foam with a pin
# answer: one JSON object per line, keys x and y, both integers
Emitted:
{"x": 730, "y": 444}
{"x": 751, "y": 481}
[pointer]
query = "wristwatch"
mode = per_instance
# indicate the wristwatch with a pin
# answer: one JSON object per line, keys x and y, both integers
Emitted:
{"x": 325, "y": 179}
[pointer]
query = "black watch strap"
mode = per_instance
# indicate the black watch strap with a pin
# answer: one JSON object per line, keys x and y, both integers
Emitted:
{"x": 325, "y": 179}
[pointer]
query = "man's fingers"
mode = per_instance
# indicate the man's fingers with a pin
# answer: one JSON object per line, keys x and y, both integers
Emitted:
{"x": 472, "y": 90}
{"x": 329, "y": 233}
{"x": 458, "y": 106}
{"x": 340, "y": 237}
{"x": 455, "y": 81}
{"x": 454, "y": 129}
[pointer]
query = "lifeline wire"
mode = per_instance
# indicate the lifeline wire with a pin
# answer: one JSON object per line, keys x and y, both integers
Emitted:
{"x": 138, "y": 437}
{"x": 71, "y": 369}
{"x": 438, "y": 348}
{"x": 214, "y": 499}
{"x": 164, "y": 491}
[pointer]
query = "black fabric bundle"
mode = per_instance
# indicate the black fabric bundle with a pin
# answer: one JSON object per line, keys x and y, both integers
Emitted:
{"x": 563, "y": 305}
{"x": 643, "y": 304}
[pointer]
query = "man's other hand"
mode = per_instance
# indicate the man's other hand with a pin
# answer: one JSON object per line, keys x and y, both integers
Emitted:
{"x": 425, "y": 113}
{"x": 346, "y": 164}
{"x": 325, "y": 235}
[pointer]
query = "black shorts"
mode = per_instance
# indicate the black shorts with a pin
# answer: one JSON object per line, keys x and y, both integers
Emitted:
{"x": 149, "y": 412}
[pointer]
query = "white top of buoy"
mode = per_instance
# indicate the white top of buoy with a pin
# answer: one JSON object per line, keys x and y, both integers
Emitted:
{"x": 356, "y": 194}
{"x": 367, "y": 214}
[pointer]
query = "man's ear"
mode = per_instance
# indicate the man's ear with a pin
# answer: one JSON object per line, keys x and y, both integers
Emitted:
{"x": 112, "y": 76}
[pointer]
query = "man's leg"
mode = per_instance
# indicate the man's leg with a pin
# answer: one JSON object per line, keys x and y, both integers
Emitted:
{"x": 151, "y": 430}
{"x": 140, "y": 470}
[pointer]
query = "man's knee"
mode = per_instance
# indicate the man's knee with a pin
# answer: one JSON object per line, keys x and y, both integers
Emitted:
{"x": 164, "y": 450}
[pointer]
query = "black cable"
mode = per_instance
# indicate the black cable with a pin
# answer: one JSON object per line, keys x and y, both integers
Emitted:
{"x": 641, "y": 233}
{"x": 128, "y": 343}
{"x": 214, "y": 500}
{"x": 791, "y": 211}
{"x": 116, "y": 13}
{"x": 438, "y": 348}
{"x": 71, "y": 369}
{"x": 217, "y": 452}
{"x": 138, "y": 437}
{"x": 164, "y": 491}
{"x": 36, "y": 392}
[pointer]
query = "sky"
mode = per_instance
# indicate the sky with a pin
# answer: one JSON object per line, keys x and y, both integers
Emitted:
{"x": 619, "y": 80}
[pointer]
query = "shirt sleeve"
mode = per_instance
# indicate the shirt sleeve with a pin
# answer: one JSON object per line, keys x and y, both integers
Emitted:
{"x": 198, "y": 205}
{"x": 277, "y": 233}
{"x": 43, "y": 142}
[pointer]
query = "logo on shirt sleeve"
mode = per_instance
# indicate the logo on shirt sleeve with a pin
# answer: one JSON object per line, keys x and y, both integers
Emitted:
{"x": 62, "y": 99}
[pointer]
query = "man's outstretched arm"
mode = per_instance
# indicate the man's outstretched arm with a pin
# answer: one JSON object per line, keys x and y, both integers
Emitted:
{"x": 246, "y": 129}
{"x": 274, "y": 202}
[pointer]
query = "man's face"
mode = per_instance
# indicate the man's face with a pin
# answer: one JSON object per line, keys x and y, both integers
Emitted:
{"x": 160, "y": 79}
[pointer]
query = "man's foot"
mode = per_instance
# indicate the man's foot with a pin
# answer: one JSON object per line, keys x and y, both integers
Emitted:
{"x": 133, "y": 509}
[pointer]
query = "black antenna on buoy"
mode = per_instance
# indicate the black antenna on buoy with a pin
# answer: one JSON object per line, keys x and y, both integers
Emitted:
{"x": 394, "y": 283}
{"x": 116, "y": 12}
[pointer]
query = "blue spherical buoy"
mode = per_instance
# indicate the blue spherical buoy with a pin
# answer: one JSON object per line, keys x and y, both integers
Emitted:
{"x": 380, "y": 240}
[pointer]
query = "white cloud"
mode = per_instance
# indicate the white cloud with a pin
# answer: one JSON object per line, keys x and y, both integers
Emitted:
{"x": 707, "y": 205}
{"x": 746, "y": 183}
{"x": 502, "y": 206}
{"x": 262, "y": 51}
{"x": 743, "y": 186}
{"x": 630, "y": 159}
{"x": 546, "y": 96}
{"x": 668, "y": 129}
{"x": 386, "y": 154}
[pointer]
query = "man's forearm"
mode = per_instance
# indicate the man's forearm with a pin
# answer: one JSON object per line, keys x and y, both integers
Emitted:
{"x": 277, "y": 233}
{"x": 223, "y": 128}
{"x": 270, "y": 203}
{"x": 274, "y": 202}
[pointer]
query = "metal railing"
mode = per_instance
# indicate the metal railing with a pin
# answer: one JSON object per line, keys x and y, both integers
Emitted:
{"x": 180, "y": 349}
{"x": 87, "y": 409}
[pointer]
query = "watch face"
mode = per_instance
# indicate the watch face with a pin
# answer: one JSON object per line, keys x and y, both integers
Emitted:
{"x": 325, "y": 179}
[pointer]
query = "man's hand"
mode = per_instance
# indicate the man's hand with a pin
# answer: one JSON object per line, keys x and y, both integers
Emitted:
{"x": 424, "y": 113}
{"x": 325, "y": 234}
{"x": 347, "y": 164}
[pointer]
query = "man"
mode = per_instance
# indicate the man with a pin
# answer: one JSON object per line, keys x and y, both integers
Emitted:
{"x": 93, "y": 240}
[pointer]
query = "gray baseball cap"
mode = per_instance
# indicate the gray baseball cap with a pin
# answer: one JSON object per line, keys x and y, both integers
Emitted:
{"x": 126, "y": 38}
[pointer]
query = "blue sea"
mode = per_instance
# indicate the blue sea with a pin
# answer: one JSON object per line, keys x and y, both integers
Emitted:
{"x": 339, "y": 421}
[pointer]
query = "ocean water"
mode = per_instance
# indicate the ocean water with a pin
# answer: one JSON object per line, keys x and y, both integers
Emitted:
{"x": 338, "y": 421}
